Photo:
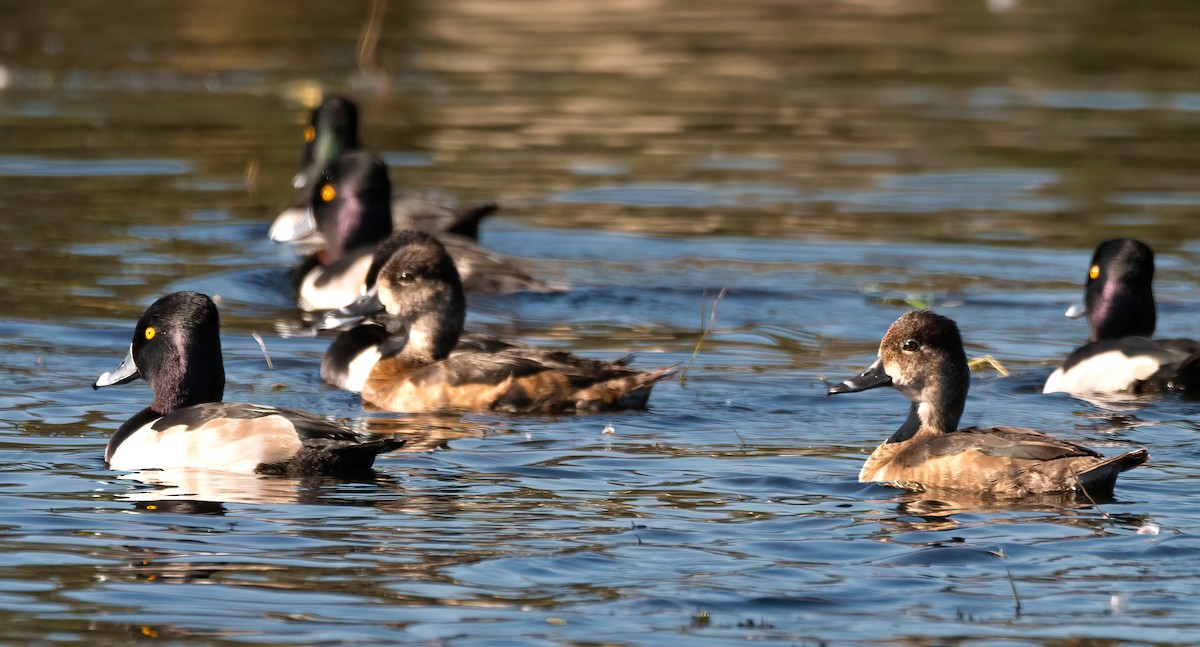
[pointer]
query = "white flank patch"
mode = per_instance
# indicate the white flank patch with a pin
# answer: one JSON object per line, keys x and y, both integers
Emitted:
{"x": 234, "y": 445}
{"x": 360, "y": 368}
{"x": 1108, "y": 372}
{"x": 337, "y": 293}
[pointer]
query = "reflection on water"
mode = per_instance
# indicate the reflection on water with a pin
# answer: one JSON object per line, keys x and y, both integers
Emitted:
{"x": 823, "y": 165}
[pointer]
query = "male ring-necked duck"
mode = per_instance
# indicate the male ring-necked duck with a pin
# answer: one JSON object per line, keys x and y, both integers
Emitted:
{"x": 177, "y": 348}
{"x": 351, "y": 211}
{"x": 922, "y": 357}
{"x": 332, "y": 129}
{"x": 416, "y": 283}
{"x": 1120, "y": 356}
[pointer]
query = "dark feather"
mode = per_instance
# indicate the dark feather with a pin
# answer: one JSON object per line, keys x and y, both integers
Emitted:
{"x": 308, "y": 426}
{"x": 328, "y": 456}
{"x": 513, "y": 362}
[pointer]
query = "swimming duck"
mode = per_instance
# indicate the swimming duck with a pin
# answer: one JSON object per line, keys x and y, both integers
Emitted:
{"x": 415, "y": 282}
{"x": 352, "y": 213}
{"x": 177, "y": 348}
{"x": 350, "y": 210}
{"x": 922, "y": 357}
{"x": 332, "y": 129}
{"x": 1120, "y": 356}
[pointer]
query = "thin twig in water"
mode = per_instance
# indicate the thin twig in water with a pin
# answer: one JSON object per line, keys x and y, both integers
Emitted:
{"x": 740, "y": 439}
{"x": 263, "y": 346}
{"x": 704, "y": 330}
{"x": 1089, "y": 497}
{"x": 1013, "y": 583}
{"x": 252, "y": 177}
{"x": 369, "y": 38}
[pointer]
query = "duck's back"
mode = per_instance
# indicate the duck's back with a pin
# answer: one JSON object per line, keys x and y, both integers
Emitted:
{"x": 517, "y": 379}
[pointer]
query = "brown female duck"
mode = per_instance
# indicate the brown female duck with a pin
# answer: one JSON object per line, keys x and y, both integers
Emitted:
{"x": 922, "y": 357}
{"x": 415, "y": 282}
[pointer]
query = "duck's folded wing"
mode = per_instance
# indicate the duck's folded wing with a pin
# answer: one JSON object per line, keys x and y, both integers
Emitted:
{"x": 478, "y": 368}
{"x": 477, "y": 342}
{"x": 308, "y": 426}
{"x": 1015, "y": 443}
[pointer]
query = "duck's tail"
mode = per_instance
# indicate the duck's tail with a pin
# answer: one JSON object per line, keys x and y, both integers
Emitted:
{"x": 467, "y": 224}
{"x": 340, "y": 458}
{"x": 624, "y": 392}
{"x": 1100, "y": 478}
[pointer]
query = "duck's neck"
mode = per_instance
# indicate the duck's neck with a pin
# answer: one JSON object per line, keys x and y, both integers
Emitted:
{"x": 1121, "y": 311}
{"x": 359, "y": 223}
{"x": 188, "y": 378}
{"x": 431, "y": 337}
{"x": 926, "y": 420}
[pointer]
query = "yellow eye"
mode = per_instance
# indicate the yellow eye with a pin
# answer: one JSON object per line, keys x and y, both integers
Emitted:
{"x": 310, "y": 134}
{"x": 1094, "y": 272}
{"x": 150, "y": 332}
{"x": 327, "y": 192}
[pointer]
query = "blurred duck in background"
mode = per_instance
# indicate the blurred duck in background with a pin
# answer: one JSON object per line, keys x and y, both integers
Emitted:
{"x": 1120, "y": 356}
{"x": 351, "y": 212}
{"x": 332, "y": 130}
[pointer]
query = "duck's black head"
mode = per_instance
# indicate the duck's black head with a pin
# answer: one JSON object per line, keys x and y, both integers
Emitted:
{"x": 352, "y": 203}
{"x": 332, "y": 129}
{"x": 176, "y": 347}
{"x": 1118, "y": 294}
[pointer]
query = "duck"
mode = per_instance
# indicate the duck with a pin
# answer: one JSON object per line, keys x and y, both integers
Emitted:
{"x": 352, "y": 213}
{"x": 331, "y": 130}
{"x": 176, "y": 347}
{"x": 420, "y": 366}
{"x": 1120, "y": 356}
{"x": 922, "y": 356}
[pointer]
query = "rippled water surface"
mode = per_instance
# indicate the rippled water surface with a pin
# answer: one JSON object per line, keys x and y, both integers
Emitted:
{"x": 825, "y": 164}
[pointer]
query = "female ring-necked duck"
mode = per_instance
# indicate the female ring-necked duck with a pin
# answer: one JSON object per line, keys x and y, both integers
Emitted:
{"x": 1120, "y": 356}
{"x": 416, "y": 283}
{"x": 332, "y": 129}
{"x": 177, "y": 348}
{"x": 922, "y": 357}
{"x": 350, "y": 209}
